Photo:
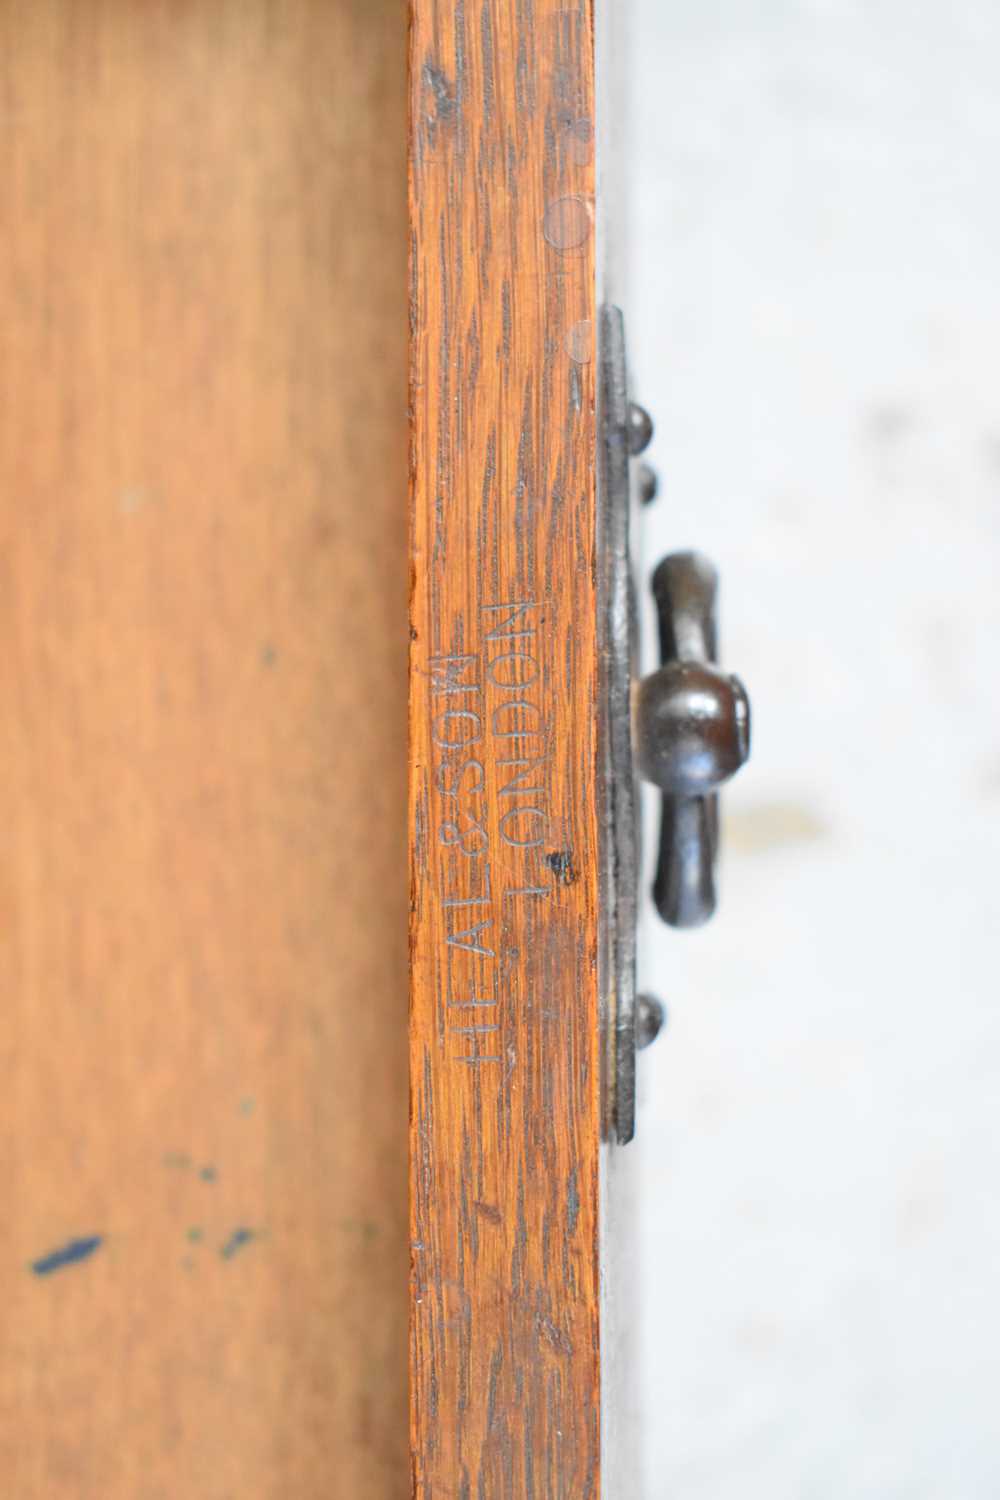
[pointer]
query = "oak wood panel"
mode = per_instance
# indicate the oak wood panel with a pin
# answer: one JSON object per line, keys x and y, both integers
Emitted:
{"x": 202, "y": 726}
{"x": 504, "y": 1063}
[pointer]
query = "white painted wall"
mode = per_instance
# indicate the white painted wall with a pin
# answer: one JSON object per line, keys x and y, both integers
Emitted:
{"x": 816, "y": 327}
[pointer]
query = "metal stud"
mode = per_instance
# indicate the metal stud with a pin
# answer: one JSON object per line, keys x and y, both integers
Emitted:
{"x": 650, "y": 1018}
{"x": 640, "y": 429}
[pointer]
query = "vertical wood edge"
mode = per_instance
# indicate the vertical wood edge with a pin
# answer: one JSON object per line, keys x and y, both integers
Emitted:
{"x": 505, "y": 1065}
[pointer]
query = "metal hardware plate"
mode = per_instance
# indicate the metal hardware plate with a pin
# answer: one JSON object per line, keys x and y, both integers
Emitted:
{"x": 620, "y": 814}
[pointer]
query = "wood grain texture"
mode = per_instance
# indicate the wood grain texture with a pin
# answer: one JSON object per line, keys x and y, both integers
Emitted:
{"x": 504, "y": 1061}
{"x": 202, "y": 730}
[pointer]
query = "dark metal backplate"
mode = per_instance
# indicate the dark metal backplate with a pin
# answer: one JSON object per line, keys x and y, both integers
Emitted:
{"x": 620, "y": 812}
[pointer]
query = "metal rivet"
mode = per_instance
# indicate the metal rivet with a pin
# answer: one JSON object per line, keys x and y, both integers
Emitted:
{"x": 649, "y": 1019}
{"x": 649, "y": 484}
{"x": 640, "y": 429}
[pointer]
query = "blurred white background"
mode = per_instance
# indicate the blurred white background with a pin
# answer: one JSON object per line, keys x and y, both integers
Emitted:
{"x": 815, "y": 268}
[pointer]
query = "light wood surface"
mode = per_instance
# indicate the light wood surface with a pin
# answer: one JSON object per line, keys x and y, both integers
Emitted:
{"x": 505, "y": 1052}
{"x": 202, "y": 680}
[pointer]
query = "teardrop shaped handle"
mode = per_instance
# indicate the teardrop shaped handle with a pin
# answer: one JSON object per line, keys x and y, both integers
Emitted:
{"x": 692, "y": 724}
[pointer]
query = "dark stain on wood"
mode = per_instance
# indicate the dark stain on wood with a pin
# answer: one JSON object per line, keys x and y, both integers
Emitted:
{"x": 69, "y": 1254}
{"x": 560, "y": 862}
